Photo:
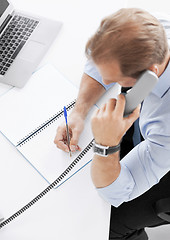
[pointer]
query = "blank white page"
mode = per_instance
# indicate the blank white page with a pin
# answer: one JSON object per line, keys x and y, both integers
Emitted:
{"x": 50, "y": 161}
{"x": 23, "y": 110}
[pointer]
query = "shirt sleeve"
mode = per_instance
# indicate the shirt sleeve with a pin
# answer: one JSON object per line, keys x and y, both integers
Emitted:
{"x": 91, "y": 70}
{"x": 143, "y": 166}
{"x": 140, "y": 170}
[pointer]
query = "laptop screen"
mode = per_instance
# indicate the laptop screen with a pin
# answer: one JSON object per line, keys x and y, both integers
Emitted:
{"x": 3, "y": 6}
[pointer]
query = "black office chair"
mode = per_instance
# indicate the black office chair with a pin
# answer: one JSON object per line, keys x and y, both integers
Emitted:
{"x": 162, "y": 209}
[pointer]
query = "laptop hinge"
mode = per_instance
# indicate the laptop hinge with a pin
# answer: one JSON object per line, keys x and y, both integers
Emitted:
{"x": 8, "y": 18}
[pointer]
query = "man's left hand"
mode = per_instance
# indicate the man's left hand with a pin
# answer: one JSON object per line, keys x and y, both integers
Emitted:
{"x": 109, "y": 124}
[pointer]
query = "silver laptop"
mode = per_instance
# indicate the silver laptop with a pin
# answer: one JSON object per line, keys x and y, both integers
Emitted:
{"x": 24, "y": 40}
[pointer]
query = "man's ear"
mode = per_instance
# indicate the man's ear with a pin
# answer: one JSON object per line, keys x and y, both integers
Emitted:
{"x": 154, "y": 68}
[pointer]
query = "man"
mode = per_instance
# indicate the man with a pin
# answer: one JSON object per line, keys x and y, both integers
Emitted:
{"x": 126, "y": 44}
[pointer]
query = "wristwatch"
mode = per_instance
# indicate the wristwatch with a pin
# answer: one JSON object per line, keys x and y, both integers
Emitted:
{"x": 104, "y": 151}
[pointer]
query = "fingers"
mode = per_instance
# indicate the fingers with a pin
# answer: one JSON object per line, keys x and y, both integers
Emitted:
{"x": 101, "y": 110}
{"x": 60, "y": 139}
{"x": 117, "y": 107}
{"x": 103, "y": 107}
{"x": 96, "y": 112}
{"x": 63, "y": 146}
{"x": 74, "y": 141}
{"x": 108, "y": 107}
{"x": 120, "y": 105}
{"x": 134, "y": 115}
{"x": 111, "y": 105}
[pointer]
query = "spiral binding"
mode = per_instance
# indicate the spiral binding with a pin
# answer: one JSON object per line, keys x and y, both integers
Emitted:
{"x": 44, "y": 125}
{"x": 51, "y": 186}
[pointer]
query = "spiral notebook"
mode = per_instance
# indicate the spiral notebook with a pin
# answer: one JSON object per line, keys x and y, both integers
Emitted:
{"x": 29, "y": 119}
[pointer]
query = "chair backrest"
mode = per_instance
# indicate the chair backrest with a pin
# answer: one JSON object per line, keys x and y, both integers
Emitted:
{"x": 162, "y": 209}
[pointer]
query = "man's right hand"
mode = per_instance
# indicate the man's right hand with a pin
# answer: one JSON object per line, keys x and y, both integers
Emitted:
{"x": 76, "y": 125}
{"x": 89, "y": 92}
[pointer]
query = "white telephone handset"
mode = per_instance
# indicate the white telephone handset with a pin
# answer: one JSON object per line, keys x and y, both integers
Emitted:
{"x": 140, "y": 91}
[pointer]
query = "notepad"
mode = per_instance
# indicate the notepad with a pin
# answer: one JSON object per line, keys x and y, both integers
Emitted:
{"x": 31, "y": 115}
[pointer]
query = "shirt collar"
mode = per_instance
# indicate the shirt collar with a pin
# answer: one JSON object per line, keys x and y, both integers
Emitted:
{"x": 163, "y": 83}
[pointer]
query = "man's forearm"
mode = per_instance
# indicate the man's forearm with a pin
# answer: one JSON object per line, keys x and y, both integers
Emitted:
{"x": 89, "y": 92}
{"x": 109, "y": 126}
{"x": 105, "y": 170}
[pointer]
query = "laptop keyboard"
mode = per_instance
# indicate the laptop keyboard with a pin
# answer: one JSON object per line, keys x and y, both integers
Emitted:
{"x": 13, "y": 39}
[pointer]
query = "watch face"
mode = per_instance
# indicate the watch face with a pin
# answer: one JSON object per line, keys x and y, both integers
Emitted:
{"x": 99, "y": 151}
{"x": 104, "y": 151}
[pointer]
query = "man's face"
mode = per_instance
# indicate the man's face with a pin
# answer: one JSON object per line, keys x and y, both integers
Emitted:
{"x": 111, "y": 72}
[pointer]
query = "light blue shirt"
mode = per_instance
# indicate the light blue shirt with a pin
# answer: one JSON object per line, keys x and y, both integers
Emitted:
{"x": 149, "y": 161}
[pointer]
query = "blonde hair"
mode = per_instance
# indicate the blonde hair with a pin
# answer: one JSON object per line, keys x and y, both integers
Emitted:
{"x": 131, "y": 36}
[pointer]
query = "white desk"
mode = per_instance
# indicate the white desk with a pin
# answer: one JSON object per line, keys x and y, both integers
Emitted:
{"x": 73, "y": 211}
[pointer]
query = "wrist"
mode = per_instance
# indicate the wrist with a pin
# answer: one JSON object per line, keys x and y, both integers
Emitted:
{"x": 104, "y": 151}
{"x": 105, "y": 170}
{"x": 113, "y": 158}
{"x": 75, "y": 114}
{"x": 104, "y": 141}
{"x": 79, "y": 111}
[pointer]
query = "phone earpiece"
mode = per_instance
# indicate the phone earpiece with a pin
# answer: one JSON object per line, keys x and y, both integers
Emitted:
{"x": 140, "y": 90}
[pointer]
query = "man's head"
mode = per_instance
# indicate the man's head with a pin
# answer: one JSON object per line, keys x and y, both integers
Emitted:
{"x": 131, "y": 38}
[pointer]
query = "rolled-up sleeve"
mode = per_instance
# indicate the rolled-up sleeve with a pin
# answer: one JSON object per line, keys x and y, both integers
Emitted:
{"x": 141, "y": 168}
{"x": 91, "y": 70}
{"x": 120, "y": 190}
{"x": 131, "y": 182}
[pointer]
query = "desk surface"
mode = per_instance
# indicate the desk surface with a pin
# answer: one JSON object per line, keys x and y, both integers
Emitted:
{"x": 73, "y": 211}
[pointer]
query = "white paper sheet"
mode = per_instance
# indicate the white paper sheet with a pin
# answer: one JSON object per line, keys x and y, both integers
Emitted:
{"x": 24, "y": 110}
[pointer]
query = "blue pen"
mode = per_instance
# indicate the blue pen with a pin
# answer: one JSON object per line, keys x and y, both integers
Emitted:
{"x": 68, "y": 135}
